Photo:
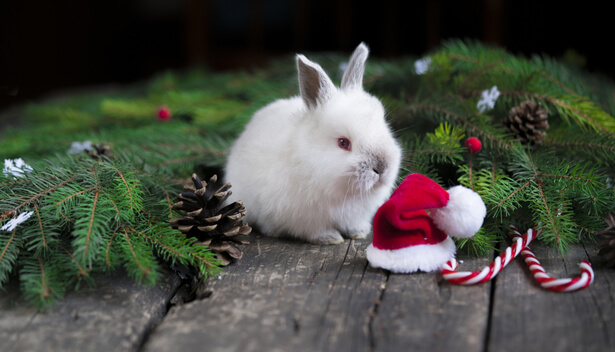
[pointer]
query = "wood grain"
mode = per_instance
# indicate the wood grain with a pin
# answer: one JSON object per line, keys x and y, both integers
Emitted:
{"x": 287, "y": 296}
{"x": 116, "y": 315}
{"x": 290, "y": 296}
{"x": 422, "y": 312}
{"x": 527, "y": 317}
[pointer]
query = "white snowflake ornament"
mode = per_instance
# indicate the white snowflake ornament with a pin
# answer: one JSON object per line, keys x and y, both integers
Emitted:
{"x": 488, "y": 99}
{"x": 15, "y": 167}
{"x": 422, "y": 66}
{"x": 79, "y": 147}
{"x": 12, "y": 224}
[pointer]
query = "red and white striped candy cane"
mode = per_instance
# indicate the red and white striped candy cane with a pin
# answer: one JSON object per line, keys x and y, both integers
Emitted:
{"x": 450, "y": 274}
{"x": 553, "y": 284}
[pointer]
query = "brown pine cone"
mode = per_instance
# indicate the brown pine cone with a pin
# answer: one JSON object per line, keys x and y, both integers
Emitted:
{"x": 607, "y": 244}
{"x": 205, "y": 218}
{"x": 528, "y": 122}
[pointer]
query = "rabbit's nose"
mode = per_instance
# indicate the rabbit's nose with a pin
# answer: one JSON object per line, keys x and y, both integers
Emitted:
{"x": 379, "y": 166}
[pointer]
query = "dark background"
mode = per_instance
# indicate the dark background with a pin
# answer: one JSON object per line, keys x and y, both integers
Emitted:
{"x": 46, "y": 46}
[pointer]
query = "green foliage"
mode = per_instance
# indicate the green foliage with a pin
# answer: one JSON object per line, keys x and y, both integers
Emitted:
{"x": 88, "y": 217}
{"x": 562, "y": 185}
{"x": 440, "y": 147}
{"x": 91, "y": 217}
{"x": 206, "y": 107}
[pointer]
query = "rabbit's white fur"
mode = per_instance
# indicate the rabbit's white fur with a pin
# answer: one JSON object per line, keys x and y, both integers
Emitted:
{"x": 291, "y": 174}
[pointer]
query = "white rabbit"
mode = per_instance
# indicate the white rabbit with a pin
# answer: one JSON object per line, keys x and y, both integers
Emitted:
{"x": 317, "y": 166}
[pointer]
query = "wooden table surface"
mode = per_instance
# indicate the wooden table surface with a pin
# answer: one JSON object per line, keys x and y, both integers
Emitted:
{"x": 290, "y": 296}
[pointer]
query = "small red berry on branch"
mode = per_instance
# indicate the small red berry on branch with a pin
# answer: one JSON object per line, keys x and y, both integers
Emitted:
{"x": 164, "y": 113}
{"x": 473, "y": 145}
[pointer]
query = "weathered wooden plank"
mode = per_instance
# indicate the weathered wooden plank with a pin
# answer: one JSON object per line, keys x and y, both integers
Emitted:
{"x": 423, "y": 312}
{"x": 529, "y": 318}
{"x": 116, "y": 315}
{"x": 288, "y": 296}
{"x": 281, "y": 296}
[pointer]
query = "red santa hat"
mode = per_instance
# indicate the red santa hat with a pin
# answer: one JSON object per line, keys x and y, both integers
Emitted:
{"x": 412, "y": 228}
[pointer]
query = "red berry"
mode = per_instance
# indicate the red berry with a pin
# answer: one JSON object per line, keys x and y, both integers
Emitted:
{"x": 164, "y": 113}
{"x": 473, "y": 145}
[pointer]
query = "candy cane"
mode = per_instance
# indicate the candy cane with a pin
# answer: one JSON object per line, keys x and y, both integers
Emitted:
{"x": 553, "y": 284}
{"x": 450, "y": 274}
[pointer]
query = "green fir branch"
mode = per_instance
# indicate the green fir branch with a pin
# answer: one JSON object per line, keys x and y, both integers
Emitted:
{"x": 82, "y": 272}
{"x": 472, "y": 129}
{"x": 42, "y": 285}
{"x": 75, "y": 225}
{"x": 10, "y": 246}
{"x": 142, "y": 267}
{"x": 174, "y": 246}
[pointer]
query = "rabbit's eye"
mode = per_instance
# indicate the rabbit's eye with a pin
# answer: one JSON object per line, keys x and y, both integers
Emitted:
{"x": 344, "y": 143}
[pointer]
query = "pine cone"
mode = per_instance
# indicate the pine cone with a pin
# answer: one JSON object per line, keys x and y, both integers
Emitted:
{"x": 204, "y": 217}
{"x": 528, "y": 122}
{"x": 607, "y": 244}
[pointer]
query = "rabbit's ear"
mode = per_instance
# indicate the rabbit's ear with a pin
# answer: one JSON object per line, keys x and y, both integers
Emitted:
{"x": 314, "y": 84}
{"x": 353, "y": 76}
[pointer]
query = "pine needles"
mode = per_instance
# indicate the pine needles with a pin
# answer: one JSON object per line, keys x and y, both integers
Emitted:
{"x": 88, "y": 217}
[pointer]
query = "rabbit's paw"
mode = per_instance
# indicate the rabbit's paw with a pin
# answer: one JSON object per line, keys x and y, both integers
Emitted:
{"x": 327, "y": 237}
{"x": 358, "y": 233}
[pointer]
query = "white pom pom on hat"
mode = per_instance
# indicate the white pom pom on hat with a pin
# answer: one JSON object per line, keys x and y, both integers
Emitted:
{"x": 463, "y": 215}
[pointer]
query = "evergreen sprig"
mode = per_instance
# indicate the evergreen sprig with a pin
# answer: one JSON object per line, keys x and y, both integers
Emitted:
{"x": 88, "y": 217}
